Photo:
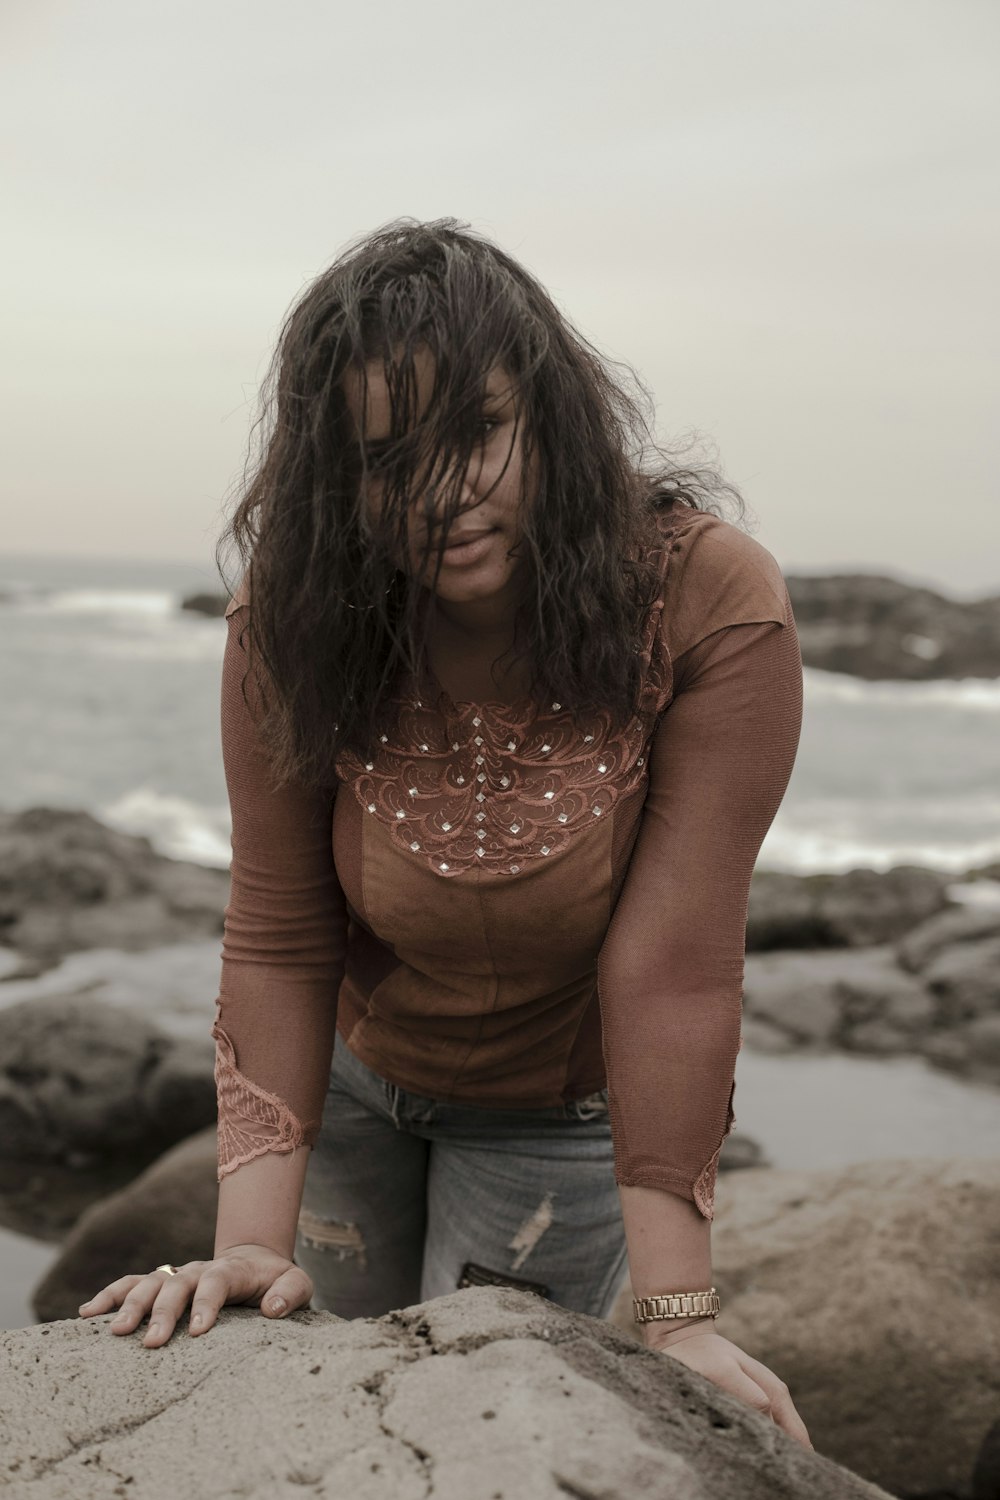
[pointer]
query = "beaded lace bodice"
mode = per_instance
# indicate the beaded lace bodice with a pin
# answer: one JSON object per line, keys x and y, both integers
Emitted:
{"x": 495, "y": 785}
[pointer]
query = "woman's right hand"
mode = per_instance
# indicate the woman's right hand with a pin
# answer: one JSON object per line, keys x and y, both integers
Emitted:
{"x": 242, "y": 1273}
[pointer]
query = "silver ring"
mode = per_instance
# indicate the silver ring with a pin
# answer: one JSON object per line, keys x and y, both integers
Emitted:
{"x": 170, "y": 1270}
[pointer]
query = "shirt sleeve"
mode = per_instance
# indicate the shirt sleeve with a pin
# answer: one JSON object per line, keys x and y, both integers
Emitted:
{"x": 283, "y": 946}
{"x": 671, "y": 968}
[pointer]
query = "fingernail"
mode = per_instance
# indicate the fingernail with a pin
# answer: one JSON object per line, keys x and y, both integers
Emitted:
{"x": 277, "y": 1304}
{"x": 197, "y": 1320}
{"x": 83, "y": 1305}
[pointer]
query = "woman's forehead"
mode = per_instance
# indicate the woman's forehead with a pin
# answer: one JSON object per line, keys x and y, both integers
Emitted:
{"x": 368, "y": 390}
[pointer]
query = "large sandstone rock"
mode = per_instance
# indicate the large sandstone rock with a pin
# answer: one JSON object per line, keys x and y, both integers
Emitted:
{"x": 873, "y": 1291}
{"x": 486, "y": 1394}
{"x": 81, "y": 1081}
{"x": 68, "y": 882}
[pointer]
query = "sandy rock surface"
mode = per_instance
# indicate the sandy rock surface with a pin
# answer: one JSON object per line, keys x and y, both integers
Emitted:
{"x": 487, "y": 1394}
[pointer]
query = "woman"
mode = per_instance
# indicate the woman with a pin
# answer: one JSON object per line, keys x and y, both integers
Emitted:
{"x": 548, "y": 702}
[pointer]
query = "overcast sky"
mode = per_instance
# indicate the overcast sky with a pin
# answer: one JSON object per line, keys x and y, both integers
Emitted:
{"x": 784, "y": 215}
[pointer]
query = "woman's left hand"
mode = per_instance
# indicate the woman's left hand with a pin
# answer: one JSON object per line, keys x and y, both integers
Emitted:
{"x": 727, "y": 1366}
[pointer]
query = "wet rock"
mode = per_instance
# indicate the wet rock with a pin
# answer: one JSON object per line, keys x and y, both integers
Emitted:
{"x": 878, "y": 627}
{"x": 488, "y": 1392}
{"x": 81, "y": 1082}
{"x": 849, "y": 910}
{"x": 67, "y": 883}
{"x": 861, "y": 1000}
{"x": 819, "y": 997}
{"x": 167, "y": 1213}
{"x": 205, "y": 604}
{"x": 956, "y": 924}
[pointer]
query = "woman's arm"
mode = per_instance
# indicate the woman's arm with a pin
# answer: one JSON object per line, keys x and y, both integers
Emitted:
{"x": 282, "y": 963}
{"x": 671, "y": 969}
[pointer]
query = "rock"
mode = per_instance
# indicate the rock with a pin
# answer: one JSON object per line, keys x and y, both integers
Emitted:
{"x": 971, "y": 1049}
{"x": 878, "y": 627}
{"x": 205, "y": 604}
{"x": 167, "y": 1213}
{"x": 853, "y": 909}
{"x": 945, "y": 929}
{"x": 965, "y": 979}
{"x": 862, "y": 1001}
{"x": 173, "y": 987}
{"x": 872, "y": 1291}
{"x": 488, "y": 1392}
{"x": 761, "y": 1035}
{"x": 67, "y": 883}
{"x": 88, "y": 1081}
{"x": 818, "y": 998}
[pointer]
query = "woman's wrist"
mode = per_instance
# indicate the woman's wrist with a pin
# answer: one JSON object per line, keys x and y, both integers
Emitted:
{"x": 658, "y": 1334}
{"x": 669, "y": 1242}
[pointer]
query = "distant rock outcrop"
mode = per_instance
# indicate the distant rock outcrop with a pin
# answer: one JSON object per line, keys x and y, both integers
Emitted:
{"x": 844, "y": 910}
{"x": 877, "y": 627}
{"x": 205, "y": 604}
{"x": 490, "y": 1393}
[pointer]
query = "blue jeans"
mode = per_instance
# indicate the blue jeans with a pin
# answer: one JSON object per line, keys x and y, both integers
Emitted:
{"x": 408, "y": 1198}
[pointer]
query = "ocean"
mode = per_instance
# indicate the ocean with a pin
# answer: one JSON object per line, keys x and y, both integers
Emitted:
{"x": 111, "y": 703}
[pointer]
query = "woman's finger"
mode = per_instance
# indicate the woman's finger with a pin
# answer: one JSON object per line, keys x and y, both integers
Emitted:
{"x": 782, "y": 1406}
{"x": 135, "y": 1304}
{"x": 169, "y": 1303}
{"x": 291, "y": 1290}
{"x": 219, "y": 1282}
{"x": 109, "y": 1296}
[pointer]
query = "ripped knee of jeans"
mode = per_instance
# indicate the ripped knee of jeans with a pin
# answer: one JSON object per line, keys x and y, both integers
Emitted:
{"x": 345, "y": 1241}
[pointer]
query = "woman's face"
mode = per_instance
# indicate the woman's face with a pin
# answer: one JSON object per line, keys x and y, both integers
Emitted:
{"x": 478, "y": 563}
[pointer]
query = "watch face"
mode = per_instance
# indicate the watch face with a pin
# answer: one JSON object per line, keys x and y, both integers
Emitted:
{"x": 473, "y": 1275}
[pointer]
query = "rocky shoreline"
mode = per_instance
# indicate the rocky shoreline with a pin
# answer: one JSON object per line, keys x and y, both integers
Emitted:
{"x": 109, "y": 964}
{"x": 869, "y": 625}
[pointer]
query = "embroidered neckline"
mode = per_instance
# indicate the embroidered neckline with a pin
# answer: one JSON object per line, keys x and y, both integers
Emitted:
{"x": 495, "y": 784}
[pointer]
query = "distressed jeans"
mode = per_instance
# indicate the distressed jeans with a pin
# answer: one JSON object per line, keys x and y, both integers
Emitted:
{"x": 407, "y": 1198}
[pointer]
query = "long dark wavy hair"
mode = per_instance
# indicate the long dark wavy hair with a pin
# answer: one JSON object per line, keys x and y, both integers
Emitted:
{"x": 332, "y": 620}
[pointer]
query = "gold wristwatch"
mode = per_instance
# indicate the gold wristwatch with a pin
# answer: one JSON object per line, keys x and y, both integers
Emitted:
{"x": 677, "y": 1305}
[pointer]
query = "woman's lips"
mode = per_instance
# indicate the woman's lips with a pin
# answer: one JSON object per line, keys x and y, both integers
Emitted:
{"x": 459, "y": 554}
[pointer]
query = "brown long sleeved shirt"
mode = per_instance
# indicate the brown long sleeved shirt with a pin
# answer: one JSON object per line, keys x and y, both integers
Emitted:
{"x": 500, "y": 910}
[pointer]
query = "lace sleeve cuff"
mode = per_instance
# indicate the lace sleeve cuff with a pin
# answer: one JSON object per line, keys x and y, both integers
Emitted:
{"x": 251, "y": 1120}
